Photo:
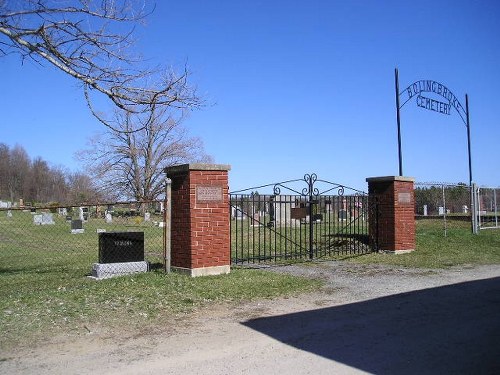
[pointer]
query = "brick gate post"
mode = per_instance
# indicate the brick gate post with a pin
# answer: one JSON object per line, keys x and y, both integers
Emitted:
{"x": 200, "y": 233}
{"x": 394, "y": 226}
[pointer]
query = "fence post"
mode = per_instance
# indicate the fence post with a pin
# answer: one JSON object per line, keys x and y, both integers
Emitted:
{"x": 444, "y": 210}
{"x": 474, "y": 209}
{"x": 167, "y": 228}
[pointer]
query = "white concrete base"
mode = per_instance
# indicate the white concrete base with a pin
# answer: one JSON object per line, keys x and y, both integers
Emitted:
{"x": 204, "y": 271}
{"x": 107, "y": 270}
{"x": 397, "y": 252}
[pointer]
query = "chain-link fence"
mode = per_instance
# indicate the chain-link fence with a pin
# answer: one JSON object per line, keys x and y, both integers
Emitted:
{"x": 488, "y": 201}
{"x": 99, "y": 240}
{"x": 442, "y": 205}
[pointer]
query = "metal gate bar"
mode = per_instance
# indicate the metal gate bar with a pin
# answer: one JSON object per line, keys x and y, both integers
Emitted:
{"x": 306, "y": 224}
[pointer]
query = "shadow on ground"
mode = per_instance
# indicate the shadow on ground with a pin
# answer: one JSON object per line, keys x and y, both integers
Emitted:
{"x": 453, "y": 329}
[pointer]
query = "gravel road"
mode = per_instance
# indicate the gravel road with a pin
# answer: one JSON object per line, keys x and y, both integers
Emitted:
{"x": 367, "y": 319}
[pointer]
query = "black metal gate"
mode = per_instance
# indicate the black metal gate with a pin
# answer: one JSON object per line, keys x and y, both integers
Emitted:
{"x": 287, "y": 220}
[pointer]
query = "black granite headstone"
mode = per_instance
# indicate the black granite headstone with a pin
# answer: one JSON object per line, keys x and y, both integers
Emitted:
{"x": 76, "y": 224}
{"x": 117, "y": 247}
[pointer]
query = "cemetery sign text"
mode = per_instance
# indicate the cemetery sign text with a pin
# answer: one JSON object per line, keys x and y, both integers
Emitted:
{"x": 432, "y": 104}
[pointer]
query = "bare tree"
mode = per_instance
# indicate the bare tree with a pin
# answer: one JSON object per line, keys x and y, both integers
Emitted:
{"x": 19, "y": 172}
{"x": 91, "y": 41}
{"x": 131, "y": 164}
{"x": 81, "y": 189}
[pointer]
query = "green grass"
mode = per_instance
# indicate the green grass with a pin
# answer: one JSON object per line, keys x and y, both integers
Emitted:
{"x": 33, "y": 304}
{"x": 44, "y": 288}
{"x": 434, "y": 250}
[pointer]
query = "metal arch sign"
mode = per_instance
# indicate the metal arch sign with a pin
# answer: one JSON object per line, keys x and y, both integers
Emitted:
{"x": 418, "y": 87}
{"x": 429, "y": 86}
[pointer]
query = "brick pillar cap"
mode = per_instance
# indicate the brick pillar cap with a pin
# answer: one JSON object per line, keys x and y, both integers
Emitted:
{"x": 390, "y": 178}
{"x": 196, "y": 167}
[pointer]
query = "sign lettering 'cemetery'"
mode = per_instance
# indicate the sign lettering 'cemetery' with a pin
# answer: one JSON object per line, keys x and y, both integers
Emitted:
{"x": 416, "y": 88}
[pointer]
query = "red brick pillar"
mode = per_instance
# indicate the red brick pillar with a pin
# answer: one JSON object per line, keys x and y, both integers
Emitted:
{"x": 392, "y": 219}
{"x": 200, "y": 237}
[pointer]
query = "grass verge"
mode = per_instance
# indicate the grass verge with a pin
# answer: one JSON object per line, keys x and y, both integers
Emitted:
{"x": 33, "y": 306}
{"x": 434, "y": 250}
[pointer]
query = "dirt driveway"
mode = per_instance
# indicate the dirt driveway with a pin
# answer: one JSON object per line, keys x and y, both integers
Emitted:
{"x": 367, "y": 319}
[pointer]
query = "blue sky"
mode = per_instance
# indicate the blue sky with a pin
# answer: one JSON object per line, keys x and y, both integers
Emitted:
{"x": 297, "y": 87}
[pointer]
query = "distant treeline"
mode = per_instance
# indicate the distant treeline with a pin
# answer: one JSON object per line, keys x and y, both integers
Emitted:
{"x": 455, "y": 198}
{"x": 35, "y": 181}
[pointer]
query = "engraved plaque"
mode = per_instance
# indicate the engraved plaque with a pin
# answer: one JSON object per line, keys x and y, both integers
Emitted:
{"x": 404, "y": 198}
{"x": 298, "y": 213}
{"x": 208, "y": 194}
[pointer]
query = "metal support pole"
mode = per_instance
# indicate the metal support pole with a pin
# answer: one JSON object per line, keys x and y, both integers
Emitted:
{"x": 468, "y": 138}
{"x": 167, "y": 227}
{"x": 472, "y": 187}
{"x": 495, "y": 207}
{"x": 399, "y": 123}
{"x": 444, "y": 210}
{"x": 311, "y": 230}
{"x": 474, "y": 209}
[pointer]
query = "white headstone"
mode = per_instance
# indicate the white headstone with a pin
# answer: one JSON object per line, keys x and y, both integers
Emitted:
{"x": 47, "y": 218}
{"x": 37, "y": 219}
{"x": 147, "y": 216}
{"x": 425, "y": 210}
{"x": 5, "y": 204}
{"x": 83, "y": 213}
{"x": 238, "y": 213}
{"x": 109, "y": 218}
{"x": 283, "y": 205}
{"x": 441, "y": 210}
{"x": 9, "y": 213}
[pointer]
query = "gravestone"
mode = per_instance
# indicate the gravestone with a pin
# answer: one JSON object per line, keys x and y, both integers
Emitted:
{"x": 68, "y": 218}
{"x": 62, "y": 211}
{"x": 343, "y": 215}
{"x": 77, "y": 226}
{"x": 147, "y": 216}
{"x": 465, "y": 209}
{"x": 37, "y": 219}
{"x": 283, "y": 205}
{"x": 108, "y": 218}
{"x": 237, "y": 213}
{"x": 317, "y": 218}
{"x": 120, "y": 247}
{"x": 5, "y": 204}
{"x": 33, "y": 211}
{"x": 441, "y": 211}
{"x": 47, "y": 219}
{"x": 425, "y": 210}
{"x": 256, "y": 219}
{"x": 9, "y": 213}
{"x": 84, "y": 213}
